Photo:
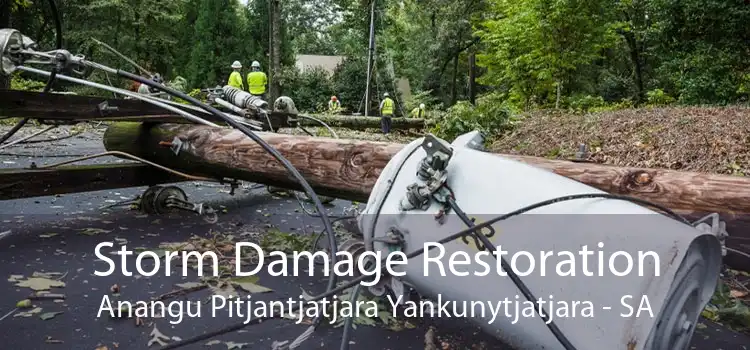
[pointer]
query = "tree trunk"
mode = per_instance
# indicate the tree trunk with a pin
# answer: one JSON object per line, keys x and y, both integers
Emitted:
{"x": 362, "y": 123}
{"x": 636, "y": 61}
{"x": 454, "y": 88}
{"x": 275, "y": 62}
{"x": 4, "y": 23}
{"x": 472, "y": 76}
{"x": 358, "y": 163}
{"x": 348, "y": 169}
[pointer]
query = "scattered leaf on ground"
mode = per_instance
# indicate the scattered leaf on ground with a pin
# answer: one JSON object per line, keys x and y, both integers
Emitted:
{"x": 53, "y": 275}
{"x": 90, "y": 231}
{"x": 24, "y": 304}
{"x": 232, "y": 345}
{"x": 29, "y": 313}
{"x": 212, "y": 343}
{"x": 737, "y": 293}
{"x": 49, "y": 315}
{"x": 224, "y": 289}
{"x": 51, "y": 340}
{"x": 48, "y": 235}
{"x": 15, "y": 278}
{"x": 157, "y": 337}
{"x": 39, "y": 283}
{"x": 248, "y": 284}
{"x": 102, "y": 347}
{"x": 190, "y": 285}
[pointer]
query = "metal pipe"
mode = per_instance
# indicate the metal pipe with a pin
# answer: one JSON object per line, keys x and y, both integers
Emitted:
{"x": 321, "y": 123}
{"x": 229, "y": 105}
{"x": 138, "y": 96}
{"x": 198, "y": 109}
{"x": 369, "y": 58}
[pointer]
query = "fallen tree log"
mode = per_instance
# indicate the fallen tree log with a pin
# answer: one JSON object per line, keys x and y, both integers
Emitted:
{"x": 362, "y": 123}
{"x": 348, "y": 169}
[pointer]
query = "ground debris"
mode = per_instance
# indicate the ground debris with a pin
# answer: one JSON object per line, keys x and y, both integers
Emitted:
{"x": 430, "y": 339}
{"x": 157, "y": 337}
{"x": 727, "y": 307}
{"x": 51, "y": 340}
{"x": 702, "y": 139}
{"x": 40, "y": 283}
{"x": 49, "y": 315}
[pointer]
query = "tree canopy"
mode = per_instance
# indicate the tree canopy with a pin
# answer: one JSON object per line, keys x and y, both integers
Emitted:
{"x": 527, "y": 53}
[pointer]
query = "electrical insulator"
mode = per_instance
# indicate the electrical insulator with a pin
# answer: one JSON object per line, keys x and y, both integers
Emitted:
{"x": 243, "y": 99}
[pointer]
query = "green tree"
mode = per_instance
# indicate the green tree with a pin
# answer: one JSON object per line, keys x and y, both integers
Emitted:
{"x": 533, "y": 48}
{"x": 218, "y": 26}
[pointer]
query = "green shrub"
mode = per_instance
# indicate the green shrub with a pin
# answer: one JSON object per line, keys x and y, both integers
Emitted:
{"x": 432, "y": 103}
{"x": 19, "y": 83}
{"x": 491, "y": 115}
{"x": 584, "y": 103}
{"x": 658, "y": 97}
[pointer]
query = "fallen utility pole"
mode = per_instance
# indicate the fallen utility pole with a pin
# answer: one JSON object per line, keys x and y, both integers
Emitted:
{"x": 25, "y": 183}
{"x": 348, "y": 169}
{"x": 362, "y": 123}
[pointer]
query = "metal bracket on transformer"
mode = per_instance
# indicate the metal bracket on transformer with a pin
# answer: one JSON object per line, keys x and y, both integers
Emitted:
{"x": 712, "y": 224}
{"x": 432, "y": 171}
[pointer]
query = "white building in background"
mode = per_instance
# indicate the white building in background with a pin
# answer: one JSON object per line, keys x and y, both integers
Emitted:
{"x": 329, "y": 64}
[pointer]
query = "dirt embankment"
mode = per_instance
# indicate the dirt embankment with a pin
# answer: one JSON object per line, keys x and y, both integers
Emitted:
{"x": 704, "y": 139}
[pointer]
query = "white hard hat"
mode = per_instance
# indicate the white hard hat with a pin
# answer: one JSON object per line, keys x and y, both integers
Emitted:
{"x": 236, "y": 64}
{"x": 255, "y": 64}
{"x": 385, "y": 94}
{"x": 421, "y": 105}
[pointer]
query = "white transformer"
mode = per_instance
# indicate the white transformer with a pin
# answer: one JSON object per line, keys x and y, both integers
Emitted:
{"x": 675, "y": 266}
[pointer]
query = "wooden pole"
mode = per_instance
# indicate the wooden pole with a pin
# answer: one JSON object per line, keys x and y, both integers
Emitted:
{"x": 348, "y": 169}
{"x": 362, "y": 123}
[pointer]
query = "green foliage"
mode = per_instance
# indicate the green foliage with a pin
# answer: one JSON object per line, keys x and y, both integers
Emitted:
{"x": 216, "y": 23}
{"x": 658, "y": 97}
{"x": 490, "y": 116}
{"x": 576, "y": 54}
{"x": 178, "y": 83}
{"x": 310, "y": 89}
{"x": 431, "y": 102}
{"x": 728, "y": 309}
{"x": 348, "y": 82}
{"x": 586, "y": 103}
{"x": 19, "y": 83}
{"x": 275, "y": 240}
{"x": 532, "y": 46}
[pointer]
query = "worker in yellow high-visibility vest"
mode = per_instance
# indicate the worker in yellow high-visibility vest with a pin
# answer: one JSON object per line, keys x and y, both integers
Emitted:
{"x": 235, "y": 79}
{"x": 418, "y": 112}
{"x": 257, "y": 81}
{"x": 386, "y": 113}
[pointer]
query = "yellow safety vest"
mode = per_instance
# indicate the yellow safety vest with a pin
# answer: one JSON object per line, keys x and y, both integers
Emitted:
{"x": 387, "y": 107}
{"x": 256, "y": 82}
{"x": 235, "y": 80}
{"x": 417, "y": 113}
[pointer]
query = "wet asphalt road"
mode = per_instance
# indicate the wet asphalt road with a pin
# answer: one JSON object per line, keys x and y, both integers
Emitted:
{"x": 45, "y": 236}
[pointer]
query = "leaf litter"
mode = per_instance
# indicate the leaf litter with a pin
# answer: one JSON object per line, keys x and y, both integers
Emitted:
{"x": 157, "y": 337}
{"x": 40, "y": 283}
{"x": 226, "y": 284}
{"x": 49, "y": 315}
{"x": 702, "y": 139}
